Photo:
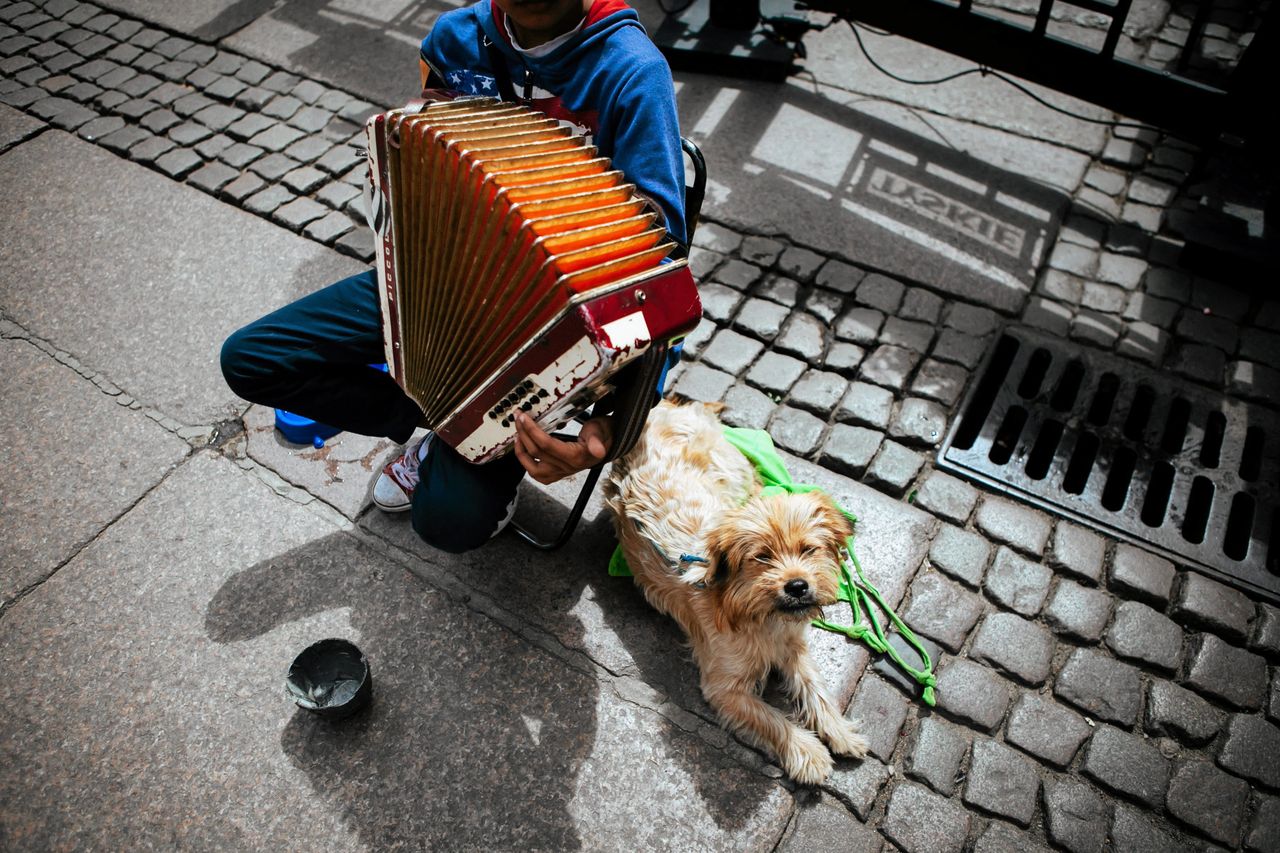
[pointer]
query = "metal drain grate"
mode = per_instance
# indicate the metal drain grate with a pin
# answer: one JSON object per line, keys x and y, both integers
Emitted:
{"x": 1136, "y": 453}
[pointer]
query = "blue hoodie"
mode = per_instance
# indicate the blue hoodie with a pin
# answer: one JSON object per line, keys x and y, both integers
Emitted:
{"x": 609, "y": 79}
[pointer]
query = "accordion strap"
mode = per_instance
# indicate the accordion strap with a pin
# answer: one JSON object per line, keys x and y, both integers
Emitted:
{"x": 636, "y": 399}
{"x": 498, "y": 62}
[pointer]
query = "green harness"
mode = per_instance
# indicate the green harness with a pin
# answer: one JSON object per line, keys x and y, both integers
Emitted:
{"x": 758, "y": 447}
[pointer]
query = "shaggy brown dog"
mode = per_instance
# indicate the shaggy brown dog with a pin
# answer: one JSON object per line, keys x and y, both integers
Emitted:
{"x": 770, "y": 566}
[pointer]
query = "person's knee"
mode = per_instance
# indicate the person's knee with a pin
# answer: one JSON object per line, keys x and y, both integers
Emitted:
{"x": 453, "y": 533}
{"x": 234, "y": 361}
{"x": 242, "y": 366}
{"x": 459, "y": 519}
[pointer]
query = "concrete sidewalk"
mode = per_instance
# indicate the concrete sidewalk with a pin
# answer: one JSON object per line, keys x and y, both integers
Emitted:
{"x": 171, "y": 171}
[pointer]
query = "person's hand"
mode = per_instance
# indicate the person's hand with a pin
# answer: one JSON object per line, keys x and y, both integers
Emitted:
{"x": 548, "y": 459}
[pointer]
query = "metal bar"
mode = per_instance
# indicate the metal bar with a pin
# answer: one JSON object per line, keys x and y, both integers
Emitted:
{"x": 694, "y": 193}
{"x": 570, "y": 523}
{"x": 1120, "y": 14}
{"x": 1042, "y": 17}
{"x": 1187, "y": 107}
{"x": 1251, "y": 85}
{"x": 1203, "y": 8}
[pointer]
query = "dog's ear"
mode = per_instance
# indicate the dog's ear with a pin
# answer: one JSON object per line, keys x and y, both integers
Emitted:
{"x": 720, "y": 555}
{"x": 721, "y": 568}
{"x": 833, "y": 521}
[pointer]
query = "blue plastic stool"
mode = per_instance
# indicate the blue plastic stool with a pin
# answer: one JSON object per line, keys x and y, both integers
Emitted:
{"x": 300, "y": 430}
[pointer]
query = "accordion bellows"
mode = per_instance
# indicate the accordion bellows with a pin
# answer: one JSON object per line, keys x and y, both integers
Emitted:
{"x": 518, "y": 271}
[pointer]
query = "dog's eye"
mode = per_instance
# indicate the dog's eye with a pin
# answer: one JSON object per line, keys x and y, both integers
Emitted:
{"x": 809, "y": 551}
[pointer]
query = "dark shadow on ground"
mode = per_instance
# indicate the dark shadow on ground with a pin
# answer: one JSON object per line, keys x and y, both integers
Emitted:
{"x": 474, "y": 738}
{"x": 783, "y": 160}
{"x": 232, "y": 18}
{"x": 653, "y": 648}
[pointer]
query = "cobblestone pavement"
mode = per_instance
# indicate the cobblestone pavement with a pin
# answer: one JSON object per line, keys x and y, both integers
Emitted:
{"x": 1092, "y": 696}
{"x": 259, "y": 137}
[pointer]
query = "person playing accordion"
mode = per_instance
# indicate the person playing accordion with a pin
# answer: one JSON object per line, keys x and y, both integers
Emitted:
{"x": 587, "y": 64}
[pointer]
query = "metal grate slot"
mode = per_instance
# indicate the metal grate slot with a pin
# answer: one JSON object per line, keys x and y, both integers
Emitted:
{"x": 987, "y": 389}
{"x": 1239, "y": 526}
{"x": 1081, "y": 465}
{"x": 1007, "y": 435}
{"x": 1136, "y": 453}
{"x": 1175, "y": 428}
{"x": 1104, "y": 399}
{"x": 1118, "y": 480}
{"x": 1251, "y": 458}
{"x": 1036, "y": 370}
{"x": 1139, "y": 413}
{"x": 1158, "y": 491}
{"x": 1212, "y": 447}
{"x": 1068, "y": 387}
{"x": 1045, "y": 448}
{"x": 1198, "y": 504}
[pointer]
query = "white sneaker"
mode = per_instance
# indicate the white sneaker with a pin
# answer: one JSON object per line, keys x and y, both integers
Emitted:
{"x": 393, "y": 490}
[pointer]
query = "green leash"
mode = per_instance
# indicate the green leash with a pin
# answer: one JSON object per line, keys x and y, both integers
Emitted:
{"x": 758, "y": 447}
{"x": 859, "y": 596}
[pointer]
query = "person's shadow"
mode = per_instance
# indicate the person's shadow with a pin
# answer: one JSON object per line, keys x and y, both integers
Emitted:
{"x": 474, "y": 737}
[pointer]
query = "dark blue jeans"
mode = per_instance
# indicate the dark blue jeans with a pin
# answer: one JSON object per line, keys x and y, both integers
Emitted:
{"x": 312, "y": 357}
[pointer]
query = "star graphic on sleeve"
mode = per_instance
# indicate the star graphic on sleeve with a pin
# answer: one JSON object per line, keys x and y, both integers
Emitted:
{"x": 486, "y": 82}
{"x": 455, "y": 78}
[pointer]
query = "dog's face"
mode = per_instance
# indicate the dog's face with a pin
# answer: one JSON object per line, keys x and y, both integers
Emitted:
{"x": 776, "y": 557}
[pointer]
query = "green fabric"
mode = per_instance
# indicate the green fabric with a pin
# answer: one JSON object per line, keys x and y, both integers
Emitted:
{"x": 758, "y": 447}
{"x": 618, "y": 564}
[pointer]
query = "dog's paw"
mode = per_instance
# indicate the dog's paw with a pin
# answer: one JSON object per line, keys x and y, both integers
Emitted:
{"x": 807, "y": 760}
{"x": 843, "y": 738}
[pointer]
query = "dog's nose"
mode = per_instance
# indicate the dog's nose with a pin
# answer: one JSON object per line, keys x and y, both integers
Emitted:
{"x": 796, "y": 588}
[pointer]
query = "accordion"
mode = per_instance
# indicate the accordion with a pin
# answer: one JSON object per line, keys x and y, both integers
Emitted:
{"x": 517, "y": 270}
